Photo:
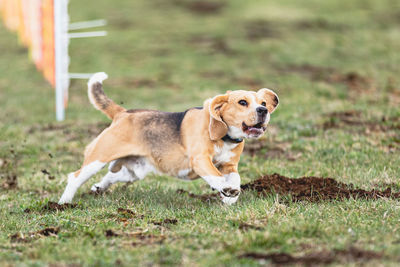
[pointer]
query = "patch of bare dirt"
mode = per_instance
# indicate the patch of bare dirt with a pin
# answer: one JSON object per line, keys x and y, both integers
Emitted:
{"x": 8, "y": 171}
{"x": 246, "y": 226}
{"x": 27, "y": 237}
{"x": 110, "y": 233}
{"x": 211, "y": 44}
{"x": 313, "y": 189}
{"x": 213, "y": 74}
{"x": 165, "y": 222}
{"x": 319, "y": 24}
{"x": 271, "y": 150}
{"x": 250, "y": 83}
{"x": 202, "y": 7}
{"x": 353, "y": 80}
{"x": 382, "y": 132}
{"x": 316, "y": 258}
{"x": 140, "y": 238}
{"x": 260, "y": 29}
{"x": 71, "y": 131}
{"x": 147, "y": 239}
{"x": 205, "y": 197}
{"x": 355, "y": 118}
{"x": 126, "y": 215}
{"x": 126, "y": 212}
{"x": 121, "y": 22}
{"x": 54, "y": 206}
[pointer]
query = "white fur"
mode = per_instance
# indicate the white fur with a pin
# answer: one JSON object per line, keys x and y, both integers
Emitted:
{"x": 75, "y": 182}
{"x": 253, "y": 104}
{"x": 236, "y": 132}
{"x": 233, "y": 180}
{"x": 142, "y": 167}
{"x": 183, "y": 174}
{"x": 224, "y": 153}
{"x": 134, "y": 170}
{"x": 123, "y": 175}
{"x": 97, "y": 77}
{"x": 216, "y": 182}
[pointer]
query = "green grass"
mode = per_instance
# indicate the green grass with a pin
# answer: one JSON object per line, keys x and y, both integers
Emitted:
{"x": 160, "y": 55}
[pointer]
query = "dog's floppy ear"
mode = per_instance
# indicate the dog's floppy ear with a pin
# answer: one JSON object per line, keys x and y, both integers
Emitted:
{"x": 217, "y": 126}
{"x": 271, "y": 99}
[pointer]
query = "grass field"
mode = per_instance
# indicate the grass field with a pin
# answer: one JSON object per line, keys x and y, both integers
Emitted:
{"x": 335, "y": 66}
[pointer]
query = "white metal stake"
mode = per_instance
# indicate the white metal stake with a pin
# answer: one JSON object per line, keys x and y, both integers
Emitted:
{"x": 60, "y": 111}
{"x": 87, "y": 24}
{"x": 87, "y": 34}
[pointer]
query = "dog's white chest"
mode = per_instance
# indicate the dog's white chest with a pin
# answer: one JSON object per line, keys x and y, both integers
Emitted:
{"x": 223, "y": 153}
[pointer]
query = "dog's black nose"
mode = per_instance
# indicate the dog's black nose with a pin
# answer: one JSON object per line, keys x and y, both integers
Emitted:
{"x": 262, "y": 111}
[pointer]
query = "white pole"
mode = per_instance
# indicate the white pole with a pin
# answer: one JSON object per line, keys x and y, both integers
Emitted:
{"x": 87, "y": 34}
{"x": 60, "y": 112}
{"x": 87, "y": 24}
{"x": 80, "y": 75}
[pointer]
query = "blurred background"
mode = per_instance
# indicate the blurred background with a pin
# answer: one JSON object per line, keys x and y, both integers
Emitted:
{"x": 173, "y": 54}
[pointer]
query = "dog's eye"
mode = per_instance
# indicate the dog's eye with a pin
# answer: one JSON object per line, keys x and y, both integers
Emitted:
{"x": 243, "y": 103}
{"x": 263, "y": 104}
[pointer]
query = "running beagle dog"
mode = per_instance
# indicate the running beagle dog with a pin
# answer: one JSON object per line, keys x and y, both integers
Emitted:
{"x": 201, "y": 142}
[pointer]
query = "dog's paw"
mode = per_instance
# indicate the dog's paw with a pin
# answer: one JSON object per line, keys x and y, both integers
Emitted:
{"x": 96, "y": 188}
{"x": 229, "y": 195}
{"x": 230, "y": 192}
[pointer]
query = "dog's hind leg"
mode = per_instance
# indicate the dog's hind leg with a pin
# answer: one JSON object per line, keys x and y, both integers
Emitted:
{"x": 76, "y": 179}
{"x": 105, "y": 148}
{"x": 115, "y": 174}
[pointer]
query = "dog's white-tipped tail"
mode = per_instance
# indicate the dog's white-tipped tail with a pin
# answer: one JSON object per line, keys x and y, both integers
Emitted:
{"x": 97, "y": 77}
{"x": 99, "y": 99}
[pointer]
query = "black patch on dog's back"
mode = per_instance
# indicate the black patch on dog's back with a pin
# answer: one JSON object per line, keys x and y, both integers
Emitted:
{"x": 176, "y": 119}
{"x": 163, "y": 128}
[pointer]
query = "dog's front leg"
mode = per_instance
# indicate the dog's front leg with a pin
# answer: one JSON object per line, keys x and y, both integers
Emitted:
{"x": 229, "y": 187}
{"x": 230, "y": 172}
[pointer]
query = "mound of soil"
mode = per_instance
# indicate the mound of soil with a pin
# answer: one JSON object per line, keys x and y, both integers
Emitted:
{"x": 52, "y": 206}
{"x": 313, "y": 189}
{"x": 317, "y": 258}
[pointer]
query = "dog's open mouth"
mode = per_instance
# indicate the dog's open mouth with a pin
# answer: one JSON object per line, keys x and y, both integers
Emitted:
{"x": 254, "y": 130}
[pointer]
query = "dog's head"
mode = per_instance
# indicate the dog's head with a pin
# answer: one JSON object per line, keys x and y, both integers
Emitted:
{"x": 241, "y": 114}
